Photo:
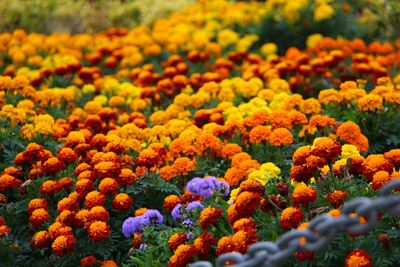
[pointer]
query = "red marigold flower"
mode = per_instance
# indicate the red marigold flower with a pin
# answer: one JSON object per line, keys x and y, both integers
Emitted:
{"x": 358, "y": 258}
{"x": 82, "y": 167}
{"x": 4, "y": 230}
{"x": 66, "y": 217}
{"x": 108, "y": 186}
{"x": 170, "y": 202}
{"x": 67, "y": 204}
{"x": 41, "y": 240}
{"x": 89, "y": 175}
{"x": 65, "y": 183}
{"x": 247, "y": 203}
{"x": 303, "y": 195}
{"x": 63, "y": 245}
{"x": 38, "y": 217}
{"x": 122, "y": 202}
{"x": 83, "y": 186}
{"x": 176, "y": 240}
{"x": 89, "y": 261}
{"x": 52, "y": 166}
{"x": 182, "y": 256}
{"x": 301, "y": 154}
{"x": 99, "y": 231}
{"x": 327, "y": 148}
{"x": 208, "y": 216}
{"x": 203, "y": 244}
{"x": 82, "y": 218}
{"x": 337, "y": 197}
{"x": 291, "y": 217}
{"x": 67, "y": 155}
{"x": 252, "y": 186}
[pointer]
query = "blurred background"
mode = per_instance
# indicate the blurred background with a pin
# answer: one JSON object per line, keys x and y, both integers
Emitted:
{"x": 76, "y": 16}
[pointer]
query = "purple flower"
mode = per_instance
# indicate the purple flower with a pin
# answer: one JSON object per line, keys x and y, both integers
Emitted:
{"x": 143, "y": 246}
{"x": 194, "y": 205}
{"x": 194, "y": 186}
{"x": 153, "y": 216}
{"x": 221, "y": 186}
{"x": 177, "y": 213}
{"x": 187, "y": 222}
{"x": 206, "y": 188}
{"x": 132, "y": 225}
{"x": 190, "y": 235}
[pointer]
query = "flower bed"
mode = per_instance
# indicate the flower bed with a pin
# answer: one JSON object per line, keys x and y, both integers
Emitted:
{"x": 163, "y": 145}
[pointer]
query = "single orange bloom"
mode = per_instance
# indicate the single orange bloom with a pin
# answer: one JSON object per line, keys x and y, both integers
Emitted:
{"x": 291, "y": 217}
{"x": 63, "y": 245}
{"x": 208, "y": 216}
{"x": 280, "y": 137}
{"x": 99, "y": 231}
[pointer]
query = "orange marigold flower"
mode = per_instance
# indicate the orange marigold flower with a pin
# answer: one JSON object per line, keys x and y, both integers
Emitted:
{"x": 230, "y": 149}
{"x": 38, "y": 217}
{"x": 7, "y": 182}
{"x": 82, "y": 218}
{"x": 148, "y": 158}
{"x": 348, "y": 130}
{"x": 122, "y": 202}
{"x": 140, "y": 211}
{"x": 234, "y": 175}
{"x": 252, "y": 186}
{"x": 321, "y": 121}
{"x": 48, "y": 188}
{"x": 301, "y": 154}
{"x": 94, "y": 198}
{"x": 303, "y": 195}
{"x": 393, "y": 155}
{"x": 244, "y": 224}
{"x": 167, "y": 172}
{"x": 67, "y": 155}
{"x": 209, "y": 143}
{"x": 225, "y": 244}
{"x": 327, "y": 148}
{"x": 248, "y": 166}
{"x": 170, "y": 202}
{"x": 291, "y": 217}
{"x": 176, "y": 240}
{"x": 4, "y": 230}
{"x": 370, "y": 102}
{"x": 17, "y": 173}
{"x": 65, "y": 183}
{"x": 183, "y": 166}
{"x": 208, "y": 216}
{"x": 310, "y": 106}
{"x": 247, "y": 203}
{"x": 37, "y": 203}
{"x": 107, "y": 169}
{"x": 82, "y": 167}
{"x": 280, "y": 137}
{"x": 52, "y": 166}
{"x": 41, "y": 240}
{"x": 379, "y": 179}
{"x": 67, "y": 204}
{"x": 374, "y": 163}
{"x": 58, "y": 229}
{"x": 83, "y": 186}
{"x": 108, "y": 186}
{"x": 127, "y": 177}
{"x": 66, "y": 217}
{"x": 98, "y": 213}
{"x": 297, "y": 117}
{"x": 335, "y": 212}
{"x": 259, "y": 134}
{"x": 99, "y": 231}
{"x": 182, "y": 256}
{"x": 181, "y": 147}
{"x": 89, "y": 261}
{"x": 63, "y": 245}
{"x": 280, "y": 119}
{"x": 337, "y": 197}
{"x": 242, "y": 239}
{"x": 86, "y": 175}
{"x": 203, "y": 244}
{"x": 239, "y": 158}
{"x": 358, "y": 258}
{"x": 108, "y": 263}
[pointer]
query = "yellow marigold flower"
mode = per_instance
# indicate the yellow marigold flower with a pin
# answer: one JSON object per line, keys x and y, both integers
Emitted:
{"x": 310, "y": 106}
{"x": 349, "y": 151}
{"x": 88, "y": 89}
{"x": 27, "y": 131}
{"x": 270, "y": 169}
{"x": 259, "y": 176}
{"x": 314, "y": 39}
{"x": 323, "y": 12}
{"x": 234, "y": 194}
{"x": 279, "y": 85}
{"x": 227, "y": 37}
{"x": 269, "y": 48}
{"x": 370, "y": 102}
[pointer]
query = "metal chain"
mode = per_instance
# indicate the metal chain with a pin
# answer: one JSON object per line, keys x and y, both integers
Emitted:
{"x": 321, "y": 230}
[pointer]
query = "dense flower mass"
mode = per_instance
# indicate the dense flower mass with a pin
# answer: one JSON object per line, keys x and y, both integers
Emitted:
{"x": 221, "y": 125}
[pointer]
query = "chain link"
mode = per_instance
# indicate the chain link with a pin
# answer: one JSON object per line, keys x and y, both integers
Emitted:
{"x": 321, "y": 230}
